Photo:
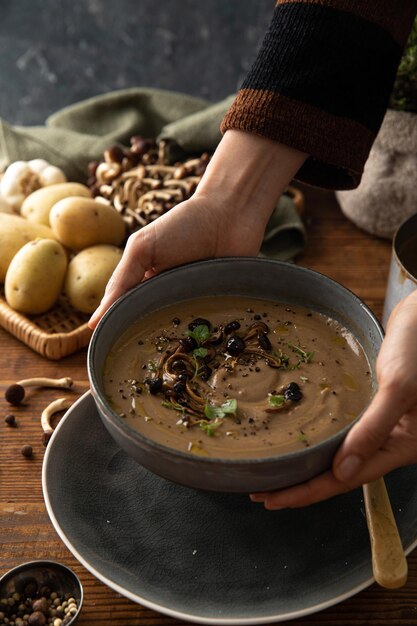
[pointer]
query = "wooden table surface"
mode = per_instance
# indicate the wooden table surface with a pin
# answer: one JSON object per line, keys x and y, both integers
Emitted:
{"x": 336, "y": 248}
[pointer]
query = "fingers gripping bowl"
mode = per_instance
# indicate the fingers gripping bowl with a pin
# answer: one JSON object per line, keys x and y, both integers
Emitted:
{"x": 282, "y": 355}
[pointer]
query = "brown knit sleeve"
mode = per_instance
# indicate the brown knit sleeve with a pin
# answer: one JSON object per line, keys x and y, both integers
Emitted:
{"x": 322, "y": 80}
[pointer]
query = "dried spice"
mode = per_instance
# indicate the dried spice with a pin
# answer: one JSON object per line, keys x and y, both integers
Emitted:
{"x": 27, "y": 451}
{"x": 37, "y": 607}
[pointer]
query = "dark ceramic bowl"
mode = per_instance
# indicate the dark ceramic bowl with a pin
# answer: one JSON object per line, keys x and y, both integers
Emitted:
{"x": 258, "y": 278}
{"x": 28, "y": 579}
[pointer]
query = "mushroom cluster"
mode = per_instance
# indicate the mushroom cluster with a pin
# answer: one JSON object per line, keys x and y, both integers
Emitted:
{"x": 182, "y": 375}
{"x": 140, "y": 183}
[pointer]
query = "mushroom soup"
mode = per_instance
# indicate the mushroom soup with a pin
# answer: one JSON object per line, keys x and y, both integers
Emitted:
{"x": 237, "y": 377}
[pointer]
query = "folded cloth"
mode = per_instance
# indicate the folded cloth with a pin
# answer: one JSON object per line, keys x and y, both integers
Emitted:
{"x": 80, "y": 133}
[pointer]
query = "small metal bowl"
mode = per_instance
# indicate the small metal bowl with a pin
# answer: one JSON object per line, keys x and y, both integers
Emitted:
{"x": 37, "y": 574}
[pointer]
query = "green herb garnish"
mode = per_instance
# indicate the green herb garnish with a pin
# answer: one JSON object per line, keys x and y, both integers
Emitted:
{"x": 173, "y": 405}
{"x": 200, "y": 333}
{"x": 209, "y": 427}
{"x": 200, "y": 352}
{"x": 284, "y": 358}
{"x": 302, "y": 437}
{"x": 276, "y": 401}
{"x": 227, "y": 408}
{"x": 305, "y": 356}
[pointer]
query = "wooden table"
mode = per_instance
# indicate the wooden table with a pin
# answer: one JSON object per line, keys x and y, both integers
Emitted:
{"x": 336, "y": 248}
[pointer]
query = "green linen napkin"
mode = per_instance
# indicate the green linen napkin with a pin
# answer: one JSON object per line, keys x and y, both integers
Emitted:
{"x": 80, "y": 133}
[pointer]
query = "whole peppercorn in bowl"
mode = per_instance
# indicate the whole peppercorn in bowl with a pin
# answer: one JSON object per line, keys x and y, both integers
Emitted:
{"x": 40, "y": 593}
{"x": 234, "y": 374}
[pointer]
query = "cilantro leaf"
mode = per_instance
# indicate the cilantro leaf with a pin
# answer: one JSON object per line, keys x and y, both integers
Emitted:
{"x": 200, "y": 352}
{"x": 209, "y": 428}
{"x": 276, "y": 401}
{"x": 227, "y": 408}
{"x": 200, "y": 333}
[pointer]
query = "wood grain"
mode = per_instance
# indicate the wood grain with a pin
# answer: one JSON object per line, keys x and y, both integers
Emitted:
{"x": 336, "y": 248}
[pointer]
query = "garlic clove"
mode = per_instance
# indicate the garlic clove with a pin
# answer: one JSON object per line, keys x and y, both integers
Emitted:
{"x": 37, "y": 165}
{"x": 52, "y": 175}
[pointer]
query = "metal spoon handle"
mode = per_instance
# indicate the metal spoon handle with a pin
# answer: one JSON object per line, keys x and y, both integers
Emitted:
{"x": 388, "y": 559}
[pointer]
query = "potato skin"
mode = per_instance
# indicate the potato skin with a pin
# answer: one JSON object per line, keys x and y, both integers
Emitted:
{"x": 88, "y": 274}
{"x": 35, "y": 276}
{"x": 80, "y": 223}
{"x": 15, "y": 232}
{"x": 37, "y": 206}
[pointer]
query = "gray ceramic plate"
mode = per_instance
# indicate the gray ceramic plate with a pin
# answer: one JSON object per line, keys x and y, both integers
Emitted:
{"x": 211, "y": 558}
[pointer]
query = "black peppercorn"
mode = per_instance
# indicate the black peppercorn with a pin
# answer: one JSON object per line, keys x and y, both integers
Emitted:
{"x": 37, "y": 619}
{"x": 235, "y": 345}
{"x": 10, "y": 420}
{"x": 199, "y": 321}
{"x": 155, "y": 385}
{"x": 293, "y": 392}
{"x": 41, "y": 604}
{"x": 231, "y": 326}
{"x": 27, "y": 451}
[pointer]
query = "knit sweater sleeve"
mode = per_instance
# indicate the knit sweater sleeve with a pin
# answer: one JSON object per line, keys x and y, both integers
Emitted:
{"x": 322, "y": 80}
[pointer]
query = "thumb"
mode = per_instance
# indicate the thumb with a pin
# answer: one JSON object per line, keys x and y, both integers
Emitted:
{"x": 369, "y": 434}
{"x": 129, "y": 272}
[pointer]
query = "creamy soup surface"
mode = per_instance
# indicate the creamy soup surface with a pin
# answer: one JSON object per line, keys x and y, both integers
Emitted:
{"x": 234, "y": 377}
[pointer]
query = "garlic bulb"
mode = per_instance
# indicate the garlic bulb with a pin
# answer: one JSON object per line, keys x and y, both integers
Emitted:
{"x": 4, "y": 206}
{"x": 23, "y": 177}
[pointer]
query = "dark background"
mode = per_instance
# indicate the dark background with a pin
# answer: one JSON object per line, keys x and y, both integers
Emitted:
{"x": 56, "y": 52}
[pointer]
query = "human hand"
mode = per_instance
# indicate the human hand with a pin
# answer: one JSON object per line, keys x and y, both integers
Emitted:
{"x": 385, "y": 438}
{"x": 195, "y": 229}
{"x": 226, "y": 216}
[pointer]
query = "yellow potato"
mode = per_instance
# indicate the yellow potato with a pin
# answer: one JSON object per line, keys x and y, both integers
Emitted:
{"x": 37, "y": 205}
{"x": 82, "y": 222}
{"x": 88, "y": 274}
{"x": 35, "y": 276}
{"x": 15, "y": 231}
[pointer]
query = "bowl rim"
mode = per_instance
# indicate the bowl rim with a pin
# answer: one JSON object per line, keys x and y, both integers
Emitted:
{"x": 124, "y": 427}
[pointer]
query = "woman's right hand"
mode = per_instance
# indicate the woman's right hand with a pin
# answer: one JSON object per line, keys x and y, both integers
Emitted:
{"x": 193, "y": 230}
{"x": 226, "y": 216}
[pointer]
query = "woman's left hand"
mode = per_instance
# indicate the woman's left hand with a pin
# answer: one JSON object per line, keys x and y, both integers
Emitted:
{"x": 386, "y": 436}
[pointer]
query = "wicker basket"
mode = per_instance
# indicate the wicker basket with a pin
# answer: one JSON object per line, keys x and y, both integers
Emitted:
{"x": 55, "y": 334}
{"x": 62, "y": 330}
